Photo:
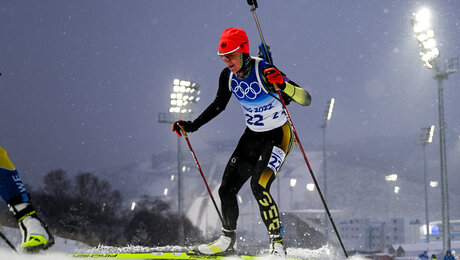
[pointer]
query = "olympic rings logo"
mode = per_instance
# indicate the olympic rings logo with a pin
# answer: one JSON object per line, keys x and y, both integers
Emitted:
{"x": 242, "y": 89}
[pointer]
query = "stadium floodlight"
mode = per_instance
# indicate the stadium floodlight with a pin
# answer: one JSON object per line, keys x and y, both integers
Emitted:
{"x": 421, "y": 22}
{"x": 331, "y": 107}
{"x": 424, "y": 34}
{"x": 430, "y": 135}
{"x": 426, "y": 137}
{"x": 185, "y": 94}
{"x": 391, "y": 177}
{"x": 310, "y": 186}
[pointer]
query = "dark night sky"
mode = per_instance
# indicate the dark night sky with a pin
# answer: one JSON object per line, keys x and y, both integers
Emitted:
{"x": 83, "y": 81}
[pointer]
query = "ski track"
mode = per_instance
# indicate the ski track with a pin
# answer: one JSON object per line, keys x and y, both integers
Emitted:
{"x": 64, "y": 247}
{"x": 6, "y": 253}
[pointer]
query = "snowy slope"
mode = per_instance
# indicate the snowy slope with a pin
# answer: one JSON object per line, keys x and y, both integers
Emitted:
{"x": 356, "y": 172}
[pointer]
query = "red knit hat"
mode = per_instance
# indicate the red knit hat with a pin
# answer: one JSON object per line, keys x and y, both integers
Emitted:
{"x": 233, "y": 39}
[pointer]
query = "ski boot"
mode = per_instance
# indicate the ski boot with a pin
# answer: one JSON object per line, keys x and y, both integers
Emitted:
{"x": 224, "y": 245}
{"x": 35, "y": 233}
{"x": 277, "y": 246}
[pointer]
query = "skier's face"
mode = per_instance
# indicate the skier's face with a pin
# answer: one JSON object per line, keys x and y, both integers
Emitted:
{"x": 233, "y": 61}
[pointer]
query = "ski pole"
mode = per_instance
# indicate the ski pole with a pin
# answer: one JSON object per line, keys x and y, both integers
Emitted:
{"x": 7, "y": 241}
{"x": 253, "y": 4}
{"x": 312, "y": 174}
{"x": 184, "y": 133}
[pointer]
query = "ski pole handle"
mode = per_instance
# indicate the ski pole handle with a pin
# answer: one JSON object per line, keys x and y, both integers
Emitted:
{"x": 184, "y": 133}
{"x": 252, "y": 3}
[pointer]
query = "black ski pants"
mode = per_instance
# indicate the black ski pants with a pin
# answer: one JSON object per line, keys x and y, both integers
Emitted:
{"x": 250, "y": 161}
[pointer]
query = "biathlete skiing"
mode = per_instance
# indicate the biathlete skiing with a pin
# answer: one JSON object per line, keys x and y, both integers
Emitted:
{"x": 265, "y": 143}
{"x": 35, "y": 233}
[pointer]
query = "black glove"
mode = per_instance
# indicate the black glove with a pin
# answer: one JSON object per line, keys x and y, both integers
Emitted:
{"x": 187, "y": 125}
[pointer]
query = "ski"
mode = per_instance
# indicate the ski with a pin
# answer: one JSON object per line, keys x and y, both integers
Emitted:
{"x": 167, "y": 255}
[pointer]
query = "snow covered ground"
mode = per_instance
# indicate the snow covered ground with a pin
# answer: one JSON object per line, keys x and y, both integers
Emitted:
{"x": 64, "y": 247}
{"x": 7, "y": 254}
{"x": 61, "y": 249}
{"x": 319, "y": 254}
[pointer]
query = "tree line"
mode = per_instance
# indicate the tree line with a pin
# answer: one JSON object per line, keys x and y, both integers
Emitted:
{"x": 88, "y": 209}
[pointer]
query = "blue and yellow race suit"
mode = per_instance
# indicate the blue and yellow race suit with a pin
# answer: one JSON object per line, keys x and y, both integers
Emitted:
{"x": 11, "y": 185}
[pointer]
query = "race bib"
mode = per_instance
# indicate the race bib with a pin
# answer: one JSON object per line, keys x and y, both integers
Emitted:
{"x": 276, "y": 159}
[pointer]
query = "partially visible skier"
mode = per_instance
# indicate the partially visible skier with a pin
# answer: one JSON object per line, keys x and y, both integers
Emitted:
{"x": 265, "y": 143}
{"x": 423, "y": 256}
{"x": 449, "y": 255}
{"x": 35, "y": 234}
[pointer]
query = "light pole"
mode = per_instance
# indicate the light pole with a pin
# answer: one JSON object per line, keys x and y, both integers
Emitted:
{"x": 292, "y": 183}
{"x": 184, "y": 95}
{"x": 429, "y": 53}
{"x": 426, "y": 137}
{"x": 392, "y": 177}
{"x": 328, "y": 116}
